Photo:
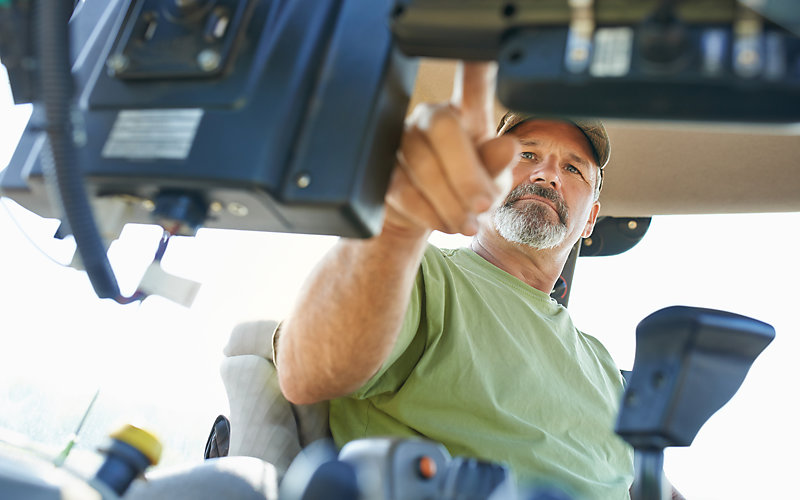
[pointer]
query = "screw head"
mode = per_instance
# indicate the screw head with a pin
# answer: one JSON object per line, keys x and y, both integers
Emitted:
{"x": 632, "y": 225}
{"x": 237, "y": 209}
{"x": 117, "y": 63}
{"x": 208, "y": 60}
{"x": 303, "y": 181}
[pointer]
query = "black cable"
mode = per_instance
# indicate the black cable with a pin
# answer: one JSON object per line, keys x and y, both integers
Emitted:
{"x": 52, "y": 35}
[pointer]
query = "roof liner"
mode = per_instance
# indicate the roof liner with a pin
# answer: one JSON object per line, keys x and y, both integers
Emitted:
{"x": 672, "y": 168}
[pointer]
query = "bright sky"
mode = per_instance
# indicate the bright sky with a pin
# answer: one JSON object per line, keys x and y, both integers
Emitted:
{"x": 157, "y": 363}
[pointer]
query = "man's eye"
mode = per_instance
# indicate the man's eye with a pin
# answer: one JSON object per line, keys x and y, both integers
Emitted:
{"x": 528, "y": 155}
{"x": 573, "y": 169}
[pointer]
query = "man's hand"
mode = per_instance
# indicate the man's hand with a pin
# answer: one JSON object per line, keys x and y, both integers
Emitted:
{"x": 347, "y": 317}
{"x": 448, "y": 160}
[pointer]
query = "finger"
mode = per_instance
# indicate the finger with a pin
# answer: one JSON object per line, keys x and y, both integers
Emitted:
{"x": 473, "y": 94}
{"x": 400, "y": 199}
{"x": 499, "y": 155}
{"x": 459, "y": 159}
{"x": 421, "y": 165}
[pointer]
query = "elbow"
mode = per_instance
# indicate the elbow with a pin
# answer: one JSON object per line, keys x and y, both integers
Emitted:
{"x": 294, "y": 390}
{"x": 306, "y": 377}
{"x": 292, "y": 377}
{"x": 293, "y": 381}
{"x": 296, "y": 395}
{"x": 299, "y": 389}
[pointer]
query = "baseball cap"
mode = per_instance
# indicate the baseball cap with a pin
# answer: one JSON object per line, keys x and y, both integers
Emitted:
{"x": 594, "y": 131}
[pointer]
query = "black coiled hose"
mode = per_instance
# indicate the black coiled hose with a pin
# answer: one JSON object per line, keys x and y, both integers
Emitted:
{"x": 52, "y": 35}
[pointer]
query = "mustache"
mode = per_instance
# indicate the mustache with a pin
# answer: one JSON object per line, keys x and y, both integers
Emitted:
{"x": 543, "y": 192}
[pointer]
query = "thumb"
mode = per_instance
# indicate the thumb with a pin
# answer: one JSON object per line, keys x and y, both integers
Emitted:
{"x": 499, "y": 153}
{"x": 498, "y": 156}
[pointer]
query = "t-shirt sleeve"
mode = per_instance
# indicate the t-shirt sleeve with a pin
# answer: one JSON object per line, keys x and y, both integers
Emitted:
{"x": 408, "y": 348}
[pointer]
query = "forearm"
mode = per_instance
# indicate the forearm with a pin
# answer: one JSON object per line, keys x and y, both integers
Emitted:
{"x": 347, "y": 316}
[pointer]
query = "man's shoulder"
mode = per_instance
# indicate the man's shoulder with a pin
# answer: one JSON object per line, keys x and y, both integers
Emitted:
{"x": 446, "y": 260}
{"x": 435, "y": 256}
{"x": 438, "y": 252}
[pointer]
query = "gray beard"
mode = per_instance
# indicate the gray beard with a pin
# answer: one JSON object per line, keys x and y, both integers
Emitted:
{"x": 532, "y": 224}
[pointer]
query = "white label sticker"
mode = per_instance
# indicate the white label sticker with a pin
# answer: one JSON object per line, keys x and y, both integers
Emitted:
{"x": 714, "y": 44}
{"x": 612, "y": 52}
{"x": 153, "y": 134}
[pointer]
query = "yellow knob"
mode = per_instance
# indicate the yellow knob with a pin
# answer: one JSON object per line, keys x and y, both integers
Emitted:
{"x": 144, "y": 441}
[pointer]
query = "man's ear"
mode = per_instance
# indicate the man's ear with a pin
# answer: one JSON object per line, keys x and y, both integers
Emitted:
{"x": 587, "y": 230}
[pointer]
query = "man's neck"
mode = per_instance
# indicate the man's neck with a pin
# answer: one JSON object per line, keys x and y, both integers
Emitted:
{"x": 538, "y": 268}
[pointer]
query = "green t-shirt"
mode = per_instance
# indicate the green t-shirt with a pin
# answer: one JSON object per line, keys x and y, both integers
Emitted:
{"x": 495, "y": 369}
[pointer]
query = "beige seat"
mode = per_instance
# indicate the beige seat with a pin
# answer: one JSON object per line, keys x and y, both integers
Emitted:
{"x": 263, "y": 423}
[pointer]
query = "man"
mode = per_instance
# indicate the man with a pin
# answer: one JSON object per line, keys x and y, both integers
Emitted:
{"x": 465, "y": 347}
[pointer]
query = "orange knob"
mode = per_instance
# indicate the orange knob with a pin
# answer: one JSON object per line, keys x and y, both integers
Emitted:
{"x": 427, "y": 467}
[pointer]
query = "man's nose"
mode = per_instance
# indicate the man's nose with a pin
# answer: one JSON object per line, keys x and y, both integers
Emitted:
{"x": 546, "y": 172}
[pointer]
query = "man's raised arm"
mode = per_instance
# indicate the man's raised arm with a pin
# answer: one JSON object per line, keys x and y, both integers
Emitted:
{"x": 348, "y": 314}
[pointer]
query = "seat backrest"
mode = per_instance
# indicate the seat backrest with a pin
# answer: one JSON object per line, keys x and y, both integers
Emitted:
{"x": 263, "y": 423}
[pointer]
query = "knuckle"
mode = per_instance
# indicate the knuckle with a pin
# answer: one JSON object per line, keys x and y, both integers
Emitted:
{"x": 420, "y": 113}
{"x": 419, "y": 160}
{"x": 427, "y": 116}
{"x": 444, "y": 120}
{"x": 412, "y": 136}
{"x": 470, "y": 185}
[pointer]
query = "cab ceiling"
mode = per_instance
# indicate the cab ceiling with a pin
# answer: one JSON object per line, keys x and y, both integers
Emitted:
{"x": 670, "y": 168}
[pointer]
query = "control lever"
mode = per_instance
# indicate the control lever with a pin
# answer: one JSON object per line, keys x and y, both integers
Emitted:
{"x": 386, "y": 468}
{"x": 689, "y": 362}
{"x": 316, "y": 473}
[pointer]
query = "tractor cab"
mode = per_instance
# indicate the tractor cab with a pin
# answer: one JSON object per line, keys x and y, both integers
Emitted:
{"x": 172, "y": 170}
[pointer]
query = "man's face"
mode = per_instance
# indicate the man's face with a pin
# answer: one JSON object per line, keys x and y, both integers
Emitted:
{"x": 552, "y": 202}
